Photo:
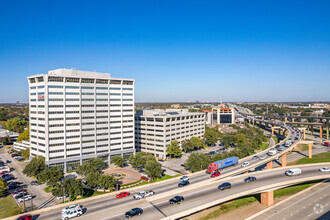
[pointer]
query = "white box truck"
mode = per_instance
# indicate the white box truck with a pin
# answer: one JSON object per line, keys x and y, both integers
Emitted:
{"x": 293, "y": 172}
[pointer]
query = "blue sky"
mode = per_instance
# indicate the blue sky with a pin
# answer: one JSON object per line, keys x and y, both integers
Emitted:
{"x": 175, "y": 50}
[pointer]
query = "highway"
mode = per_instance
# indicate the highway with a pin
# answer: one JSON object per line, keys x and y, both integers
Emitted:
{"x": 160, "y": 208}
{"x": 101, "y": 204}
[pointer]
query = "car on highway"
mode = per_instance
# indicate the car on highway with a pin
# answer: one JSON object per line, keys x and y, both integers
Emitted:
{"x": 215, "y": 174}
{"x": 183, "y": 183}
{"x": 184, "y": 178}
{"x": 245, "y": 164}
{"x": 255, "y": 157}
{"x": 224, "y": 186}
{"x": 262, "y": 157}
{"x": 122, "y": 194}
{"x": 133, "y": 212}
{"x": 281, "y": 148}
{"x": 272, "y": 152}
{"x": 325, "y": 169}
{"x": 250, "y": 179}
{"x": 143, "y": 194}
{"x": 25, "y": 217}
{"x": 75, "y": 212}
{"x": 24, "y": 198}
{"x": 176, "y": 199}
{"x": 293, "y": 172}
{"x": 34, "y": 183}
{"x": 70, "y": 207}
{"x": 144, "y": 178}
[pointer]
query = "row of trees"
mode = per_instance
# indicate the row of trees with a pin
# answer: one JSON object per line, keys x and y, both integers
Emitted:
{"x": 174, "y": 150}
{"x": 17, "y": 124}
{"x": 244, "y": 142}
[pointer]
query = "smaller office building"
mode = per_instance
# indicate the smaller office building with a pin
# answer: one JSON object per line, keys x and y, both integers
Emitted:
{"x": 223, "y": 115}
{"x": 155, "y": 129}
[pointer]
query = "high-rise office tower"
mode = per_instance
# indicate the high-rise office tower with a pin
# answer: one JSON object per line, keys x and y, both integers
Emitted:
{"x": 76, "y": 115}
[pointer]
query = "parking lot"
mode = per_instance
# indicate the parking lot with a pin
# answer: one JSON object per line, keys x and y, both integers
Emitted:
{"x": 39, "y": 196}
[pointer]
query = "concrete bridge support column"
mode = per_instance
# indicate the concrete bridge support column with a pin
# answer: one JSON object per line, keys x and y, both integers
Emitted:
{"x": 304, "y": 134}
{"x": 321, "y": 132}
{"x": 328, "y": 132}
{"x": 267, "y": 198}
{"x": 283, "y": 160}
{"x": 310, "y": 147}
{"x": 269, "y": 165}
{"x": 272, "y": 131}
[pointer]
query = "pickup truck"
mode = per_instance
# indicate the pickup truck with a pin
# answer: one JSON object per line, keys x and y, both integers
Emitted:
{"x": 143, "y": 194}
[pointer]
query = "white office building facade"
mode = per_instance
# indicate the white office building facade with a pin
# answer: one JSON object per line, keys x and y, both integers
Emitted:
{"x": 77, "y": 115}
{"x": 155, "y": 129}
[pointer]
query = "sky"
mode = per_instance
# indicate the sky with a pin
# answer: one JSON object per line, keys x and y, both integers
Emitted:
{"x": 176, "y": 50}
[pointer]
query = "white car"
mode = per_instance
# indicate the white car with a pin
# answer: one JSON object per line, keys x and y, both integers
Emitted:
{"x": 184, "y": 178}
{"x": 143, "y": 194}
{"x": 76, "y": 212}
{"x": 272, "y": 152}
{"x": 70, "y": 207}
{"x": 325, "y": 169}
{"x": 25, "y": 198}
{"x": 262, "y": 157}
{"x": 245, "y": 164}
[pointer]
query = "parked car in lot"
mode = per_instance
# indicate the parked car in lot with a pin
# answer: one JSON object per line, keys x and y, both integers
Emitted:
{"x": 20, "y": 195}
{"x": 34, "y": 183}
{"x": 143, "y": 194}
{"x": 184, "y": 178}
{"x": 144, "y": 178}
{"x": 7, "y": 177}
{"x": 183, "y": 183}
{"x": 176, "y": 199}
{"x": 19, "y": 190}
{"x": 60, "y": 197}
{"x": 122, "y": 194}
{"x": 250, "y": 179}
{"x": 245, "y": 164}
{"x": 215, "y": 174}
{"x": 25, "y": 217}
{"x": 133, "y": 212}
{"x": 25, "y": 198}
{"x": 325, "y": 169}
{"x": 75, "y": 212}
{"x": 224, "y": 186}
{"x": 70, "y": 208}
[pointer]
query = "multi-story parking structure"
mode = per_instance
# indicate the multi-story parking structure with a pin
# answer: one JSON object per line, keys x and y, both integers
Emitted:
{"x": 76, "y": 115}
{"x": 155, "y": 129}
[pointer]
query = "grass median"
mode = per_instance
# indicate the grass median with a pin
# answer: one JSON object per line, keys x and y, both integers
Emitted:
{"x": 317, "y": 158}
{"x": 8, "y": 207}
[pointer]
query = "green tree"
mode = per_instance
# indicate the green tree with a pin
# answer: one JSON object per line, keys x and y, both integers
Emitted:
{"x": 153, "y": 169}
{"x": 16, "y": 124}
{"x": 92, "y": 165}
{"x": 92, "y": 179}
{"x": 197, "y": 161}
{"x": 36, "y": 166}
{"x": 196, "y": 142}
{"x": 211, "y": 135}
{"x": 26, "y": 153}
{"x": 187, "y": 145}
{"x": 3, "y": 186}
{"x": 173, "y": 149}
{"x": 107, "y": 181}
{"x": 118, "y": 160}
{"x": 25, "y": 136}
{"x": 73, "y": 187}
{"x": 140, "y": 159}
{"x": 51, "y": 176}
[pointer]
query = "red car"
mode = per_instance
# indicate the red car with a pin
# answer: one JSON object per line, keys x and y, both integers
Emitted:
{"x": 122, "y": 194}
{"x": 144, "y": 178}
{"x": 25, "y": 217}
{"x": 4, "y": 172}
{"x": 215, "y": 173}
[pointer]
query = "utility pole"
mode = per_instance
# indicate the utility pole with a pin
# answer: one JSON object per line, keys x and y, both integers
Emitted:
{"x": 63, "y": 193}
{"x": 32, "y": 203}
{"x": 23, "y": 202}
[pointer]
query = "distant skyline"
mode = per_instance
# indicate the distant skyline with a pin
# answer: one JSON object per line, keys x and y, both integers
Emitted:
{"x": 177, "y": 51}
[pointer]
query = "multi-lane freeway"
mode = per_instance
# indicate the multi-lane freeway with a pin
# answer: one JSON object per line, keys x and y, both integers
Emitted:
{"x": 108, "y": 206}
